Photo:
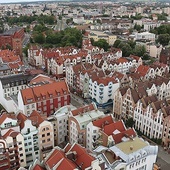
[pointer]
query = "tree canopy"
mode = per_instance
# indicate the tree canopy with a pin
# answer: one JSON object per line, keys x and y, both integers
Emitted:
{"x": 130, "y": 47}
{"x": 102, "y": 43}
{"x": 46, "y": 19}
{"x": 67, "y": 37}
{"x": 164, "y": 39}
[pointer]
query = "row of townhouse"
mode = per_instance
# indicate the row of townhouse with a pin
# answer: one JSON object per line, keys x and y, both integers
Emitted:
{"x": 71, "y": 157}
{"x": 55, "y": 61}
{"x": 35, "y": 138}
{"x": 96, "y": 80}
{"x": 147, "y": 104}
{"x": 125, "y": 98}
{"x": 106, "y": 138}
{"x": 44, "y": 97}
{"x": 28, "y": 92}
{"x": 25, "y": 138}
{"x": 10, "y": 86}
{"x": 90, "y": 82}
{"x": 122, "y": 64}
{"x": 150, "y": 72}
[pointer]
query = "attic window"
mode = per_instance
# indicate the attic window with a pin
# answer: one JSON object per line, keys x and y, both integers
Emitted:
{"x": 43, "y": 97}
{"x": 29, "y": 100}
{"x": 58, "y": 93}
{"x": 51, "y": 95}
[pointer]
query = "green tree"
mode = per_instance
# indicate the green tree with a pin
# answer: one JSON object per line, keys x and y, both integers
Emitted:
{"x": 137, "y": 17}
{"x": 25, "y": 50}
{"x": 132, "y": 43}
{"x": 162, "y": 16}
{"x": 130, "y": 122}
{"x": 39, "y": 38}
{"x": 139, "y": 50}
{"x": 137, "y": 27}
{"x": 60, "y": 17}
{"x": 8, "y": 47}
{"x": 102, "y": 43}
{"x": 126, "y": 49}
{"x": 164, "y": 39}
{"x": 146, "y": 56}
{"x": 116, "y": 43}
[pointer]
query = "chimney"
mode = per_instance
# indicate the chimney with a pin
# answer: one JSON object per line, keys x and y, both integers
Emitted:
{"x": 72, "y": 155}
{"x": 131, "y": 147}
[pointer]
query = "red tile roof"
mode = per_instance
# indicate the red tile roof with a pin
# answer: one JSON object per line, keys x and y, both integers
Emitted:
{"x": 22, "y": 118}
{"x": 134, "y": 57}
{"x": 11, "y": 133}
{"x": 142, "y": 70}
{"x": 83, "y": 158}
{"x": 57, "y": 156}
{"x": 47, "y": 91}
{"x": 130, "y": 133}
{"x": 122, "y": 60}
{"x": 83, "y": 109}
{"x": 67, "y": 147}
{"x": 109, "y": 129}
{"x": 66, "y": 164}
{"x": 36, "y": 118}
{"x": 106, "y": 80}
{"x": 103, "y": 121}
{"x": 9, "y": 56}
{"x": 3, "y": 117}
{"x": 38, "y": 167}
{"x": 41, "y": 78}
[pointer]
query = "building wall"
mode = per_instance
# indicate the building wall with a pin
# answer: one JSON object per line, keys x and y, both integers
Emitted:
{"x": 45, "y": 138}
{"x": 9, "y": 124}
{"x": 30, "y": 135}
{"x": 91, "y": 136}
{"x": 149, "y": 123}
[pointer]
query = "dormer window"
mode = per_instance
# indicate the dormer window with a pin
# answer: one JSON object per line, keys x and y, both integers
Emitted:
{"x": 51, "y": 95}
{"x": 29, "y": 100}
{"x": 58, "y": 93}
{"x": 43, "y": 97}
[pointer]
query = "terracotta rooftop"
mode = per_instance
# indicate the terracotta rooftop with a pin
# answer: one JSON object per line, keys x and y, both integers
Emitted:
{"x": 41, "y": 79}
{"x": 103, "y": 121}
{"x": 134, "y": 57}
{"x": 106, "y": 80}
{"x": 55, "y": 157}
{"x": 46, "y": 91}
{"x": 36, "y": 118}
{"x": 80, "y": 110}
{"x": 121, "y": 60}
{"x": 129, "y": 133}
{"x": 109, "y": 129}
{"x": 22, "y": 118}
{"x": 142, "y": 70}
{"x": 3, "y": 117}
{"x": 38, "y": 167}
{"x": 83, "y": 158}
{"x": 11, "y": 133}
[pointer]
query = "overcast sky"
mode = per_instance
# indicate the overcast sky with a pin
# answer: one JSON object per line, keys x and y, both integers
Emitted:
{"x": 13, "y": 1}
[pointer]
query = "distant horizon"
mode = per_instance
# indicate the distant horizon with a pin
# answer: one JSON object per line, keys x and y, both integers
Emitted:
{"x": 18, "y": 1}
